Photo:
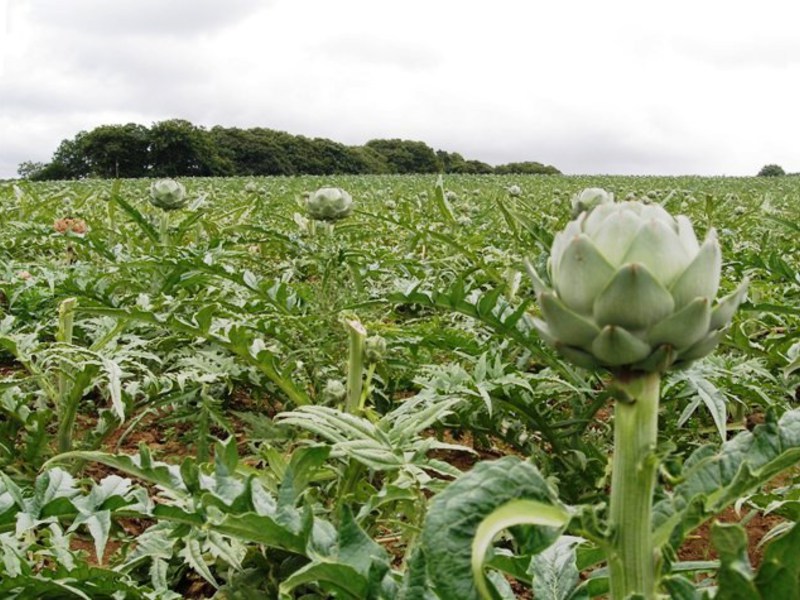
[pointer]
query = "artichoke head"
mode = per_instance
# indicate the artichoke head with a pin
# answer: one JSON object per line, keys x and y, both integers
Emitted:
{"x": 633, "y": 290}
{"x": 168, "y": 194}
{"x": 329, "y": 204}
{"x": 588, "y": 199}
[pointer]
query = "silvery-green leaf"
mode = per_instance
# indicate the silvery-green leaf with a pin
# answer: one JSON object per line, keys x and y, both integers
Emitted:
{"x": 683, "y": 328}
{"x": 657, "y": 247}
{"x": 616, "y": 347}
{"x": 722, "y": 313}
{"x": 585, "y": 273}
{"x": 633, "y": 299}
{"x": 567, "y": 326}
{"x": 701, "y": 277}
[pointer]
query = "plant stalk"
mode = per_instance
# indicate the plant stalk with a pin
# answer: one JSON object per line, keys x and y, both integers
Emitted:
{"x": 632, "y": 559}
{"x": 66, "y": 322}
{"x": 355, "y": 365}
{"x": 164, "y": 228}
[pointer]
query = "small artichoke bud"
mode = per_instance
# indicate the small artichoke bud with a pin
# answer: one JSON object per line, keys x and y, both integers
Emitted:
{"x": 334, "y": 391}
{"x": 514, "y": 190}
{"x": 374, "y": 349}
{"x": 390, "y": 204}
{"x": 168, "y": 194}
{"x": 329, "y": 204}
{"x": 588, "y": 199}
{"x": 633, "y": 290}
{"x": 251, "y": 187}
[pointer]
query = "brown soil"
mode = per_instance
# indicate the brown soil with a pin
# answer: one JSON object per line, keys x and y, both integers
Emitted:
{"x": 698, "y": 547}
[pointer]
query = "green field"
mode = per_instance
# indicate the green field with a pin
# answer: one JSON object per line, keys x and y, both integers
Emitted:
{"x": 176, "y": 418}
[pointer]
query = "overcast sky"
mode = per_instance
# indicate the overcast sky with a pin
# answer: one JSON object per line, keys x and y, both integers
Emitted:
{"x": 625, "y": 87}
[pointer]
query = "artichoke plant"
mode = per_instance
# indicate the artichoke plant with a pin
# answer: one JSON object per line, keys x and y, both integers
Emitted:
{"x": 168, "y": 194}
{"x": 329, "y": 204}
{"x": 588, "y": 199}
{"x": 633, "y": 290}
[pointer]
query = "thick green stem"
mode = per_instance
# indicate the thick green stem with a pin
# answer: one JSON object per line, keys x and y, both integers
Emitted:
{"x": 66, "y": 322}
{"x": 355, "y": 365}
{"x": 164, "y": 228}
{"x": 632, "y": 560}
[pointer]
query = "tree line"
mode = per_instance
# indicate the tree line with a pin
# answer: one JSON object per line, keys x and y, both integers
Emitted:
{"x": 176, "y": 147}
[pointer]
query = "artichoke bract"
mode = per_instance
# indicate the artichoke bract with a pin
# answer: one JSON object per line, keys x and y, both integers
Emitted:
{"x": 633, "y": 290}
{"x": 168, "y": 194}
{"x": 329, "y": 204}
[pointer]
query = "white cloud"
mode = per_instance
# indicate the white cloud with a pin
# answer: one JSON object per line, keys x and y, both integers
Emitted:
{"x": 615, "y": 87}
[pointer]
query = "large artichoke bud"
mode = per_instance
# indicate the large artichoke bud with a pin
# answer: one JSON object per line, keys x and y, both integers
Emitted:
{"x": 329, "y": 204}
{"x": 633, "y": 290}
{"x": 168, "y": 194}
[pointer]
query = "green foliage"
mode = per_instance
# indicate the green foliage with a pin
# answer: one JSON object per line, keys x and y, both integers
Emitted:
{"x": 771, "y": 171}
{"x": 230, "y": 325}
{"x": 526, "y": 168}
{"x": 406, "y": 156}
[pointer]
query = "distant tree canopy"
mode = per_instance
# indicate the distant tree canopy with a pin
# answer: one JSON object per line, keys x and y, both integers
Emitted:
{"x": 176, "y": 148}
{"x": 771, "y": 171}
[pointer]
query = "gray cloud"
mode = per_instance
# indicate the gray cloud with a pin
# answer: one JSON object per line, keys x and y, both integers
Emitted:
{"x": 376, "y": 50}
{"x": 170, "y": 18}
{"x": 713, "y": 93}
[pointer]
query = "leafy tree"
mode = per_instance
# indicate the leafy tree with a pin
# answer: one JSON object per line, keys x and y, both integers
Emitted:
{"x": 406, "y": 156}
{"x": 526, "y": 168}
{"x": 118, "y": 150}
{"x": 477, "y": 167}
{"x": 176, "y": 147}
{"x": 69, "y": 160}
{"x": 250, "y": 151}
{"x": 771, "y": 171}
{"x": 31, "y": 170}
{"x": 179, "y": 148}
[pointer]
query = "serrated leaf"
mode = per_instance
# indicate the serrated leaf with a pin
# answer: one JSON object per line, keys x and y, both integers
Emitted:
{"x": 192, "y": 554}
{"x": 713, "y": 480}
{"x": 555, "y": 572}
{"x": 450, "y": 536}
{"x": 340, "y": 579}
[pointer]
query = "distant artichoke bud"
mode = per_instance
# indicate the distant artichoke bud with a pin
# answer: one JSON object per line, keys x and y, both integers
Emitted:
{"x": 633, "y": 290}
{"x": 168, "y": 194}
{"x": 329, "y": 204}
{"x": 374, "y": 349}
{"x": 334, "y": 391}
{"x": 514, "y": 190}
{"x": 390, "y": 204}
{"x": 590, "y": 198}
{"x": 251, "y": 187}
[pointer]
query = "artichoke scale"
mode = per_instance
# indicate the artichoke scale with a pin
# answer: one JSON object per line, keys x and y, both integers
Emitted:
{"x": 633, "y": 299}
{"x": 615, "y": 347}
